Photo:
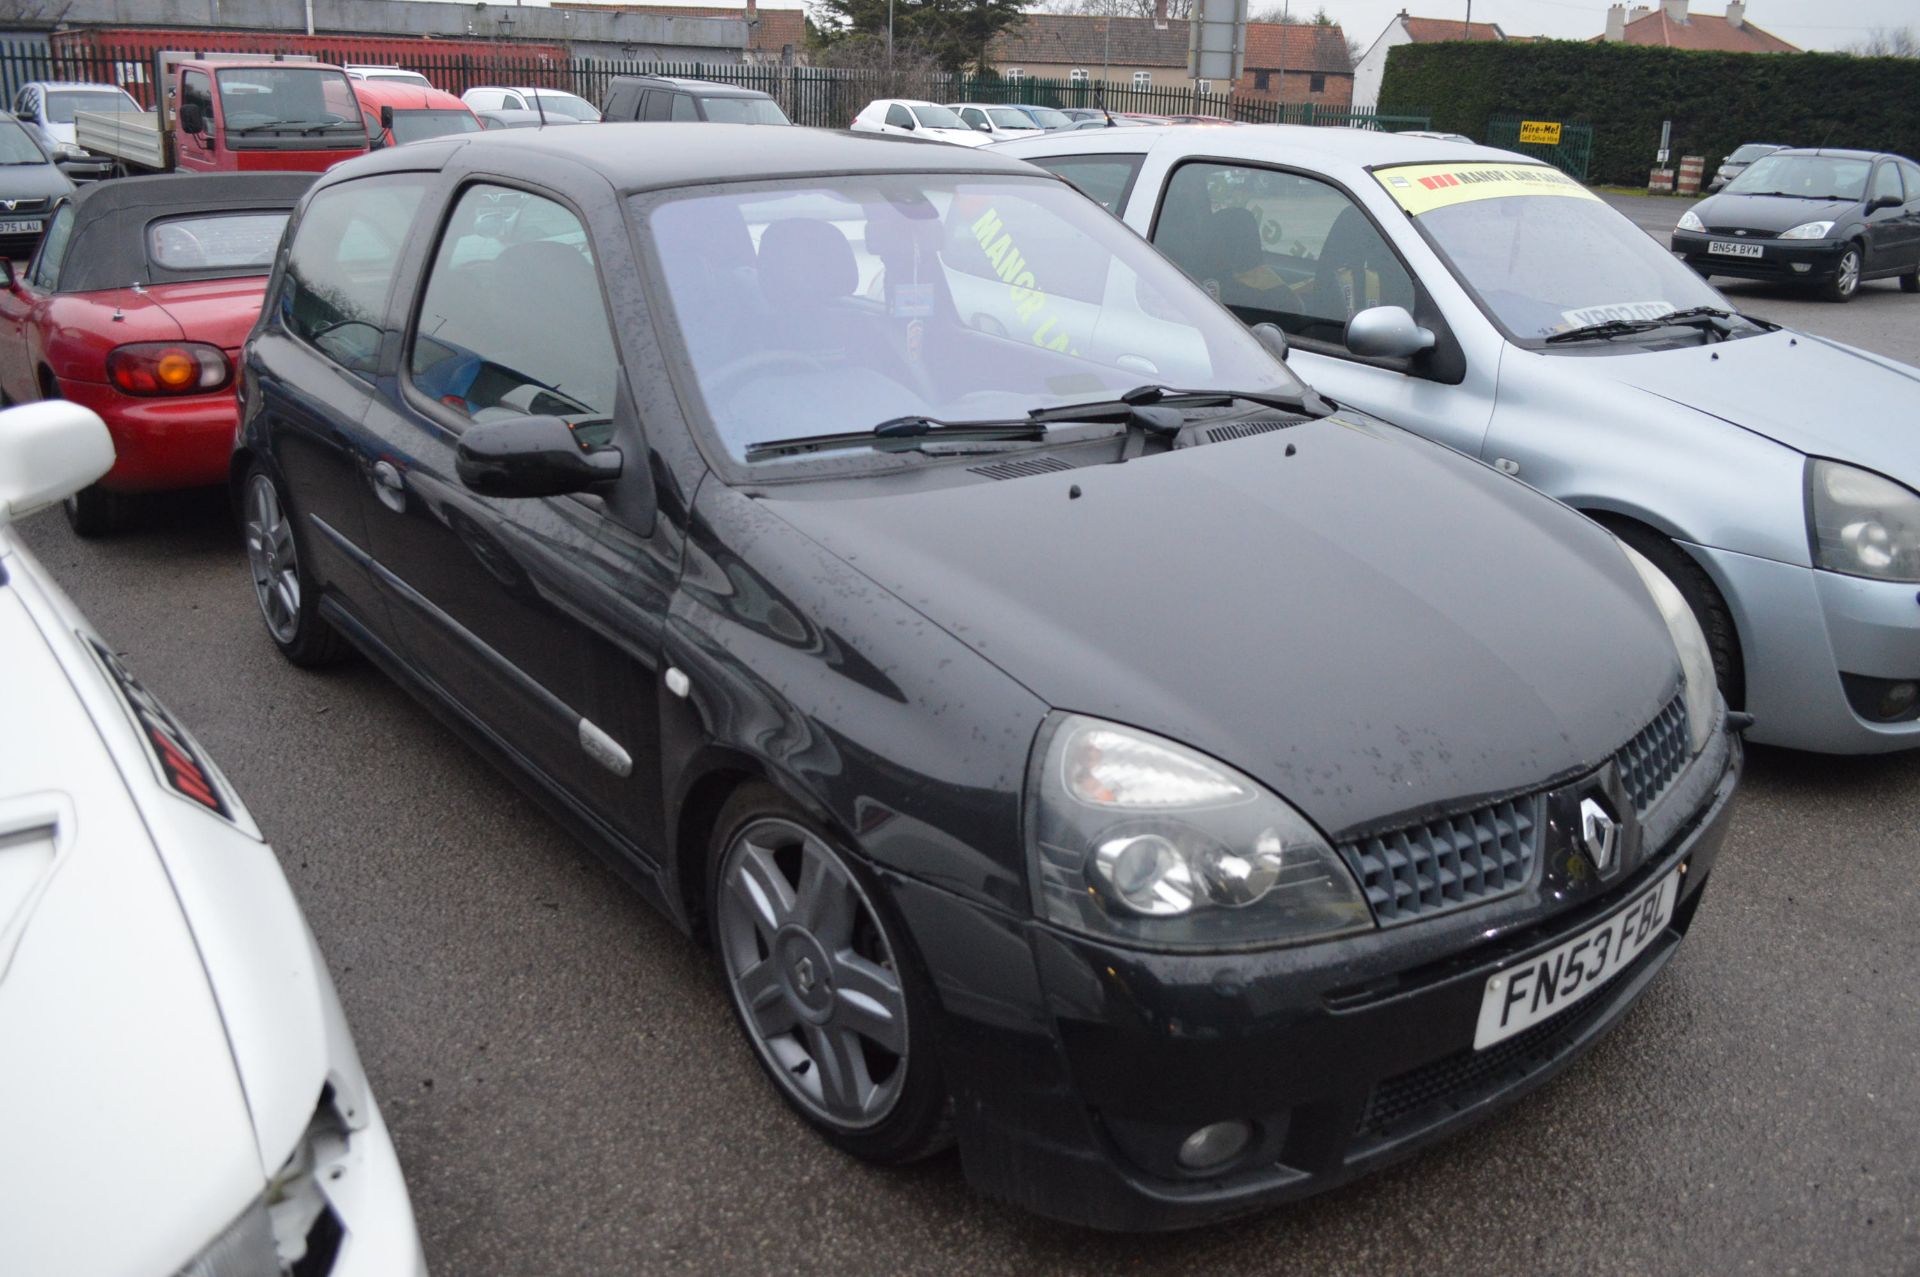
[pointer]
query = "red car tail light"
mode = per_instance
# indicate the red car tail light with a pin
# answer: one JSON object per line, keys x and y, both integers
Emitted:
{"x": 168, "y": 368}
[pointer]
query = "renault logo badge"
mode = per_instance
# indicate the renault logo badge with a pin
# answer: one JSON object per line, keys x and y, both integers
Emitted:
{"x": 1600, "y": 832}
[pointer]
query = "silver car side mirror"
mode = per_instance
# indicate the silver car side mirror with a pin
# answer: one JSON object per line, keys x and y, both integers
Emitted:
{"x": 1386, "y": 332}
{"x": 1274, "y": 338}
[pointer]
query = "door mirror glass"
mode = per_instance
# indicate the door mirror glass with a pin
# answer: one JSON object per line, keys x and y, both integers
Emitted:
{"x": 1386, "y": 332}
{"x": 193, "y": 118}
{"x": 531, "y": 457}
{"x": 386, "y": 119}
{"x": 1883, "y": 201}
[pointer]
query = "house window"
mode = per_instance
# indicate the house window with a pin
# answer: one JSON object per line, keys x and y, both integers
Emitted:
{"x": 1260, "y": 81}
{"x": 1015, "y": 74}
{"x": 1077, "y": 76}
{"x": 1205, "y": 87}
{"x": 1142, "y": 79}
{"x": 1318, "y": 84}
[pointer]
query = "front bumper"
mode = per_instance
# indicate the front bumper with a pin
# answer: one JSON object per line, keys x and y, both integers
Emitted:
{"x": 1785, "y": 260}
{"x": 1800, "y": 629}
{"x": 1077, "y": 1067}
{"x": 182, "y": 441}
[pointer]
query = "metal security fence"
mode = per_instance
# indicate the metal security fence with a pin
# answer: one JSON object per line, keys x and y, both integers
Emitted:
{"x": 1572, "y": 154}
{"x": 818, "y": 96}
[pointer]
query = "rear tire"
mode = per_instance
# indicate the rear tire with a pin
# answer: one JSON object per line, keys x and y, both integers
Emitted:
{"x": 94, "y": 512}
{"x": 1846, "y": 276}
{"x": 1910, "y": 283}
{"x": 276, "y": 557}
{"x": 1703, "y": 597}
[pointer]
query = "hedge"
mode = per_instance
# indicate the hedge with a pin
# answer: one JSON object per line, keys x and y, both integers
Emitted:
{"x": 1715, "y": 100}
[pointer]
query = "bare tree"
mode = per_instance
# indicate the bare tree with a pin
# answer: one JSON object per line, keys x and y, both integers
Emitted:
{"x": 1177, "y": 10}
{"x": 1887, "y": 42}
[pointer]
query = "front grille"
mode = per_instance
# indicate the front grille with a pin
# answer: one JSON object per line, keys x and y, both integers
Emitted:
{"x": 1435, "y": 1091}
{"x": 1653, "y": 760}
{"x": 1741, "y": 232}
{"x": 1448, "y": 863}
{"x": 22, "y": 207}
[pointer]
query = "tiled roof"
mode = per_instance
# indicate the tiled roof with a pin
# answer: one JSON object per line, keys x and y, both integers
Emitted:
{"x": 1704, "y": 31}
{"x": 1434, "y": 30}
{"x": 1082, "y": 40}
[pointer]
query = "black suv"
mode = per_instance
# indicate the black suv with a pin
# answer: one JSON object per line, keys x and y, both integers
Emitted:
{"x": 657, "y": 98}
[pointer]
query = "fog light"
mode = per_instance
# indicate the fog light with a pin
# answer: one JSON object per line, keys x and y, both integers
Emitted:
{"x": 1898, "y": 699}
{"x": 1883, "y": 700}
{"x": 1803, "y": 267}
{"x": 1215, "y": 1145}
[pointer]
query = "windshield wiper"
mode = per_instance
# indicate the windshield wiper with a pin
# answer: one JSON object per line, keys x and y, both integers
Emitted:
{"x": 1308, "y": 402}
{"x": 306, "y": 128}
{"x": 899, "y": 434}
{"x": 1705, "y": 318}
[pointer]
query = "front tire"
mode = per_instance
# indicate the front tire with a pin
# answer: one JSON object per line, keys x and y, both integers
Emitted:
{"x": 822, "y": 983}
{"x": 1704, "y": 598}
{"x": 1910, "y": 283}
{"x": 1846, "y": 276}
{"x": 288, "y": 604}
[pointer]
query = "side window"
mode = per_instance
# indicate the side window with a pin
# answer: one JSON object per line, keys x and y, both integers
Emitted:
{"x": 196, "y": 89}
{"x": 899, "y": 116}
{"x": 658, "y": 105}
{"x": 44, "y": 274}
{"x": 513, "y": 101}
{"x": 1886, "y": 182}
{"x": 1912, "y": 173}
{"x": 551, "y": 353}
{"x": 344, "y": 255}
{"x": 974, "y": 116}
{"x": 621, "y": 103}
{"x": 1278, "y": 248}
{"x": 683, "y": 108}
{"x": 1107, "y": 180}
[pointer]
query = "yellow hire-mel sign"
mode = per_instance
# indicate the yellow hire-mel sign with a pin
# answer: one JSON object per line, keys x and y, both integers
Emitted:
{"x": 1421, "y": 188}
{"x": 1544, "y": 132}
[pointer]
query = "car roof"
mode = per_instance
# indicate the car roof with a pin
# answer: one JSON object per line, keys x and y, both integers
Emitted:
{"x": 1328, "y": 148}
{"x": 405, "y": 95}
{"x": 1837, "y": 153}
{"x": 706, "y": 88}
{"x": 71, "y": 84}
{"x": 690, "y": 154}
{"x": 106, "y": 249}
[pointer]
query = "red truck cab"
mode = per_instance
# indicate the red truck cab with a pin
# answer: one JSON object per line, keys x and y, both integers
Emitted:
{"x": 233, "y": 115}
{"x": 398, "y": 111}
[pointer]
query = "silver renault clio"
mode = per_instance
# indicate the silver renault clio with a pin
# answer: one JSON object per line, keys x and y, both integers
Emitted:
{"x": 1489, "y": 302}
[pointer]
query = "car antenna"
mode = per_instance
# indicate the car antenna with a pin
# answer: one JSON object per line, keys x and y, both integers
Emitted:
{"x": 535, "y": 95}
{"x": 1100, "y": 100}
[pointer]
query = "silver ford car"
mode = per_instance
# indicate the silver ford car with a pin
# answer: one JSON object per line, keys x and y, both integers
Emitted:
{"x": 1493, "y": 304}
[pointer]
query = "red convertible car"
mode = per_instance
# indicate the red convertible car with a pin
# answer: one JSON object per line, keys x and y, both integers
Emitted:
{"x": 136, "y": 304}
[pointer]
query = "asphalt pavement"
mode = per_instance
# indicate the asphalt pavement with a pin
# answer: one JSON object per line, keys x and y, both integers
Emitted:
{"x": 569, "y": 1094}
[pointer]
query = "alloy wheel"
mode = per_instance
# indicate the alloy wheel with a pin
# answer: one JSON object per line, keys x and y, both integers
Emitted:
{"x": 1847, "y": 277}
{"x": 271, "y": 556}
{"x": 813, "y": 974}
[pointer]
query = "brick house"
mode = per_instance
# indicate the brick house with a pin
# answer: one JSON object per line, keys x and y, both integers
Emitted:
{"x": 1404, "y": 29}
{"x": 1670, "y": 25}
{"x": 1139, "y": 52}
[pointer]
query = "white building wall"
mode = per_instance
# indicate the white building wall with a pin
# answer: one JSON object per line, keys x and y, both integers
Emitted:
{"x": 1372, "y": 65}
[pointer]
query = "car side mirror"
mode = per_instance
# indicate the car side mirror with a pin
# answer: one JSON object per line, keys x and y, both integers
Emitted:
{"x": 984, "y": 127}
{"x": 1274, "y": 338}
{"x": 1883, "y": 201}
{"x": 49, "y": 451}
{"x": 1386, "y": 332}
{"x": 530, "y": 457}
{"x": 193, "y": 118}
{"x": 386, "y": 119}
{"x": 909, "y": 126}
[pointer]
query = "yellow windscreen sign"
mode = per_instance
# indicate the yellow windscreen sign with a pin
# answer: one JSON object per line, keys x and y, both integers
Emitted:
{"x": 1421, "y": 188}
{"x": 1543, "y": 132}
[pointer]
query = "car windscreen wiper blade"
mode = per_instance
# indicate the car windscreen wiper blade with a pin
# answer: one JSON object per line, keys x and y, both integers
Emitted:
{"x": 1707, "y": 318}
{"x": 1308, "y": 401}
{"x": 900, "y": 434}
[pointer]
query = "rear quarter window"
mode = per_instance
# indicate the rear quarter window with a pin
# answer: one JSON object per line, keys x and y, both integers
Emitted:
{"x": 233, "y": 241}
{"x": 1107, "y": 180}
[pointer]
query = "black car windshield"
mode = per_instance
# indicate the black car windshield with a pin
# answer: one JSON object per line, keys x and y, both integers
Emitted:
{"x": 1541, "y": 264}
{"x": 417, "y": 126}
{"x": 744, "y": 111}
{"x": 16, "y": 147}
{"x": 937, "y": 117}
{"x": 62, "y": 103}
{"x": 1805, "y": 176}
{"x": 851, "y": 301}
{"x": 218, "y": 242}
{"x": 292, "y": 99}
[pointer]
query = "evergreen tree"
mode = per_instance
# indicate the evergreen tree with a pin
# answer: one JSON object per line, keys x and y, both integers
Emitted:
{"x": 953, "y": 32}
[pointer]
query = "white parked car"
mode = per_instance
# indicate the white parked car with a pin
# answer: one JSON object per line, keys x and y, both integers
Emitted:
{"x": 997, "y": 120}
{"x": 398, "y": 74}
{"x": 179, "y": 1093}
{"x": 493, "y": 97}
{"x": 905, "y": 117}
{"x": 1493, "y": 304}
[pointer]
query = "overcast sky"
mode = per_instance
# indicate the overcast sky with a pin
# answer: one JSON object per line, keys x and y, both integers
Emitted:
{"x": 1811, "y": 24}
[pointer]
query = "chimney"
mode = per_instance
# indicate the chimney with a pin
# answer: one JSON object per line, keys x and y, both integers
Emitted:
{"x": 1616, "y": 23}
{"x": 1160, "y": 15}
{"x": 1676, "y": 10}
{"x": 1736, "y": 13}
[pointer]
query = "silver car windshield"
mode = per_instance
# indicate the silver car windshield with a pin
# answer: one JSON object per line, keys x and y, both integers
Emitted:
{"x": 842, "y": 304}
{"x": 1546, "y": 264}
{"x": 1812, "y": 177}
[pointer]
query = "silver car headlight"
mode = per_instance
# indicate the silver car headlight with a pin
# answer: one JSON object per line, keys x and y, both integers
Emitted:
{"x": 1808, "y": 230}
{"x": 1690, "y": 222}
{"x": 1862, "y": 523}
{"x": 1696, "y": 658}
{"x": 244, "y": 1249}
{"x": 1139, "y": 839}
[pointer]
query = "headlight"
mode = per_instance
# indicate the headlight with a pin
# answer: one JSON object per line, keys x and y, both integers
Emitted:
{"x": 1696, "y": 659}
{"x": 1139, "y": 839}
{"x": 68, "y": 151}
{"x": 1862, "y": 523}
{"x": 1689, "y": 222}
{"x": 246, "y": 1247}
{"x": 1808, "y": 230}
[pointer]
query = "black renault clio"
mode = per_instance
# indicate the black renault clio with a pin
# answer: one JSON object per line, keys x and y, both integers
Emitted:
{"x": 1077, "y": 739}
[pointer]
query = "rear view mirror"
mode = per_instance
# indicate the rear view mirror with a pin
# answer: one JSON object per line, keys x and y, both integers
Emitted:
{"x": 1883, "y": 201}
{"x": 49, "y": 451}
{"x": 1386, "y": 332}
{"x": 530, "y": 457}
{"x": 386, "y": 119}
{"x": 193, "y": 118}
{"x": 1273, "y": 338}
